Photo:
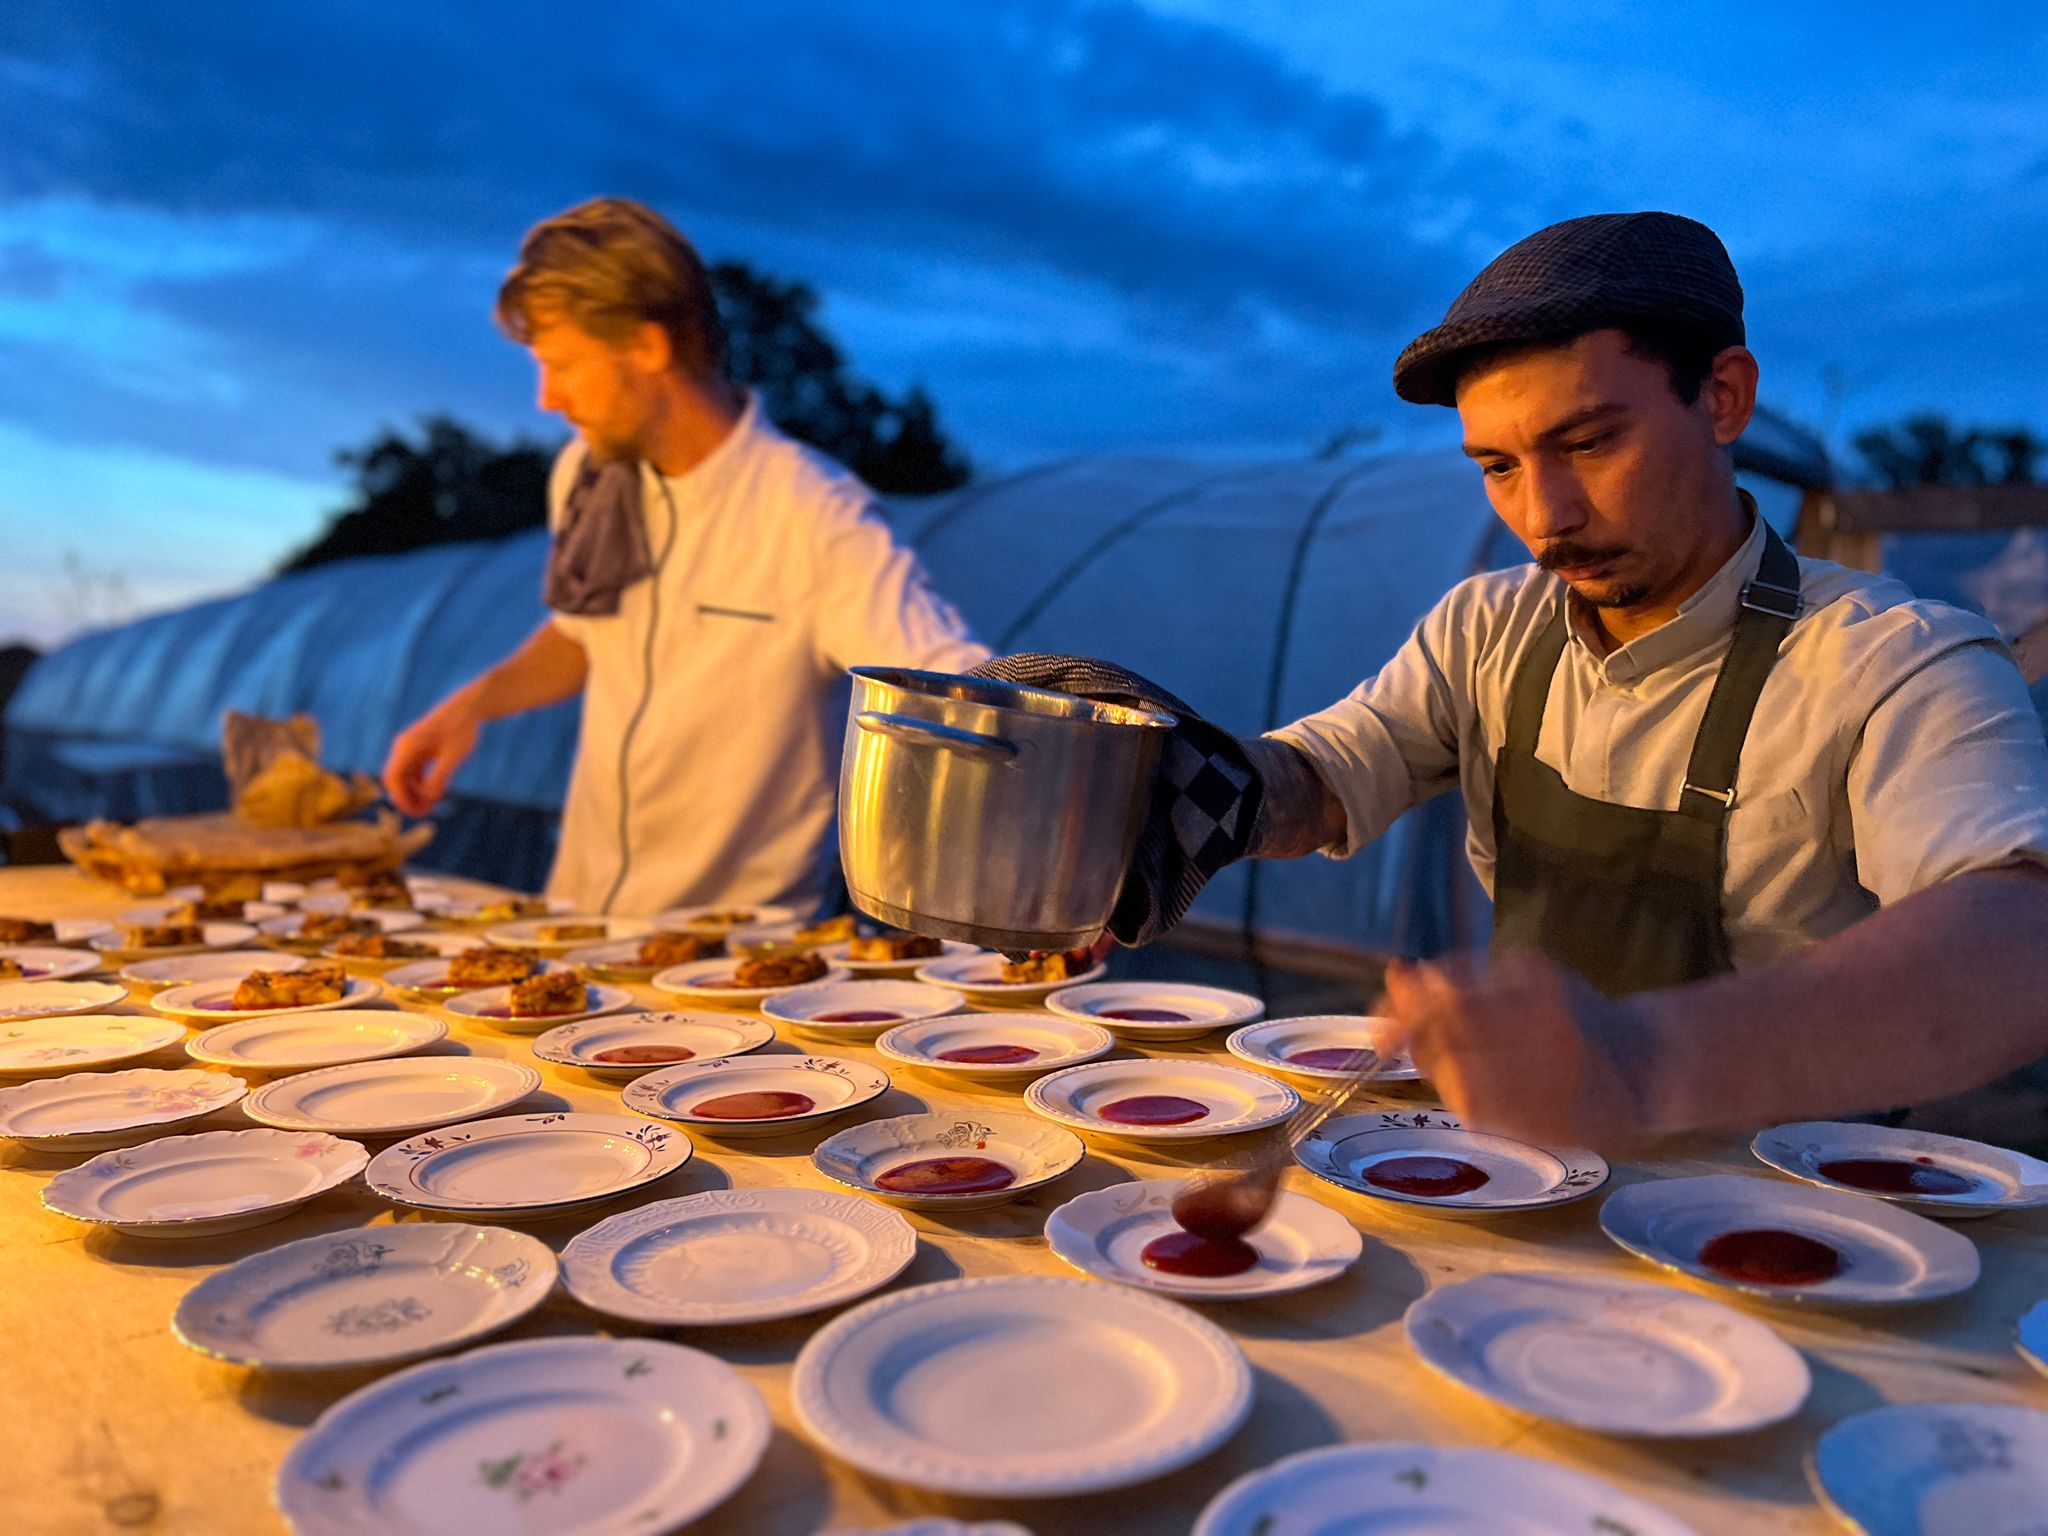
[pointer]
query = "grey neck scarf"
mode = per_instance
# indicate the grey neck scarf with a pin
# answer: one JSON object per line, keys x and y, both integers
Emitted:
{"x": 602, "y": 547}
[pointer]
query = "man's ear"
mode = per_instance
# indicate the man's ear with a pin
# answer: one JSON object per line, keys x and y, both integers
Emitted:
{"x": 1729, "y": 392}
{"x": 651, "y": 350}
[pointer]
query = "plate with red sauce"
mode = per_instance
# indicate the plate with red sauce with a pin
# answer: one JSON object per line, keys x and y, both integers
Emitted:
{"x": 1790, "y": 1242}
{"x": 979, "y": 973}
{"x": 493, "y": 1006}
{"x": 1620, "y": 1357}
{"x": 1428, "y": 1161}
{"x": 995, "y": 1047}
{"x": 1161, "y": 1099}
{"x": 1943, "y": 1176}
{"x": 714, "y": 984}
{"x": 741, "y": 1096}
{"x": 861, "y": 1010}
{"x": 1156, "y": 1010}
{"x": 621, "y": 1047}
{"x": 1326, "y": 1047}
{"x": 1126, "y": 1233}
{"x": 948, "y": 1162}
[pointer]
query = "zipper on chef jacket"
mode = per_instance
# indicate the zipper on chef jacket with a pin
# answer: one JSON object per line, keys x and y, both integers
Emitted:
{"x": 640, "y": 708}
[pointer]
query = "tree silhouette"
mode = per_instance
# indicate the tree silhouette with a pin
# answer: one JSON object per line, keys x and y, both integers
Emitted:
{"x": 448, "y": 482}
{"x": 1928, "y": 450}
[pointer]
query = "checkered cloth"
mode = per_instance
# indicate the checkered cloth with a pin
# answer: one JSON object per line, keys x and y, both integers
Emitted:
{"x": 1206, "y": 796}
{"x": 1582, "y": 275}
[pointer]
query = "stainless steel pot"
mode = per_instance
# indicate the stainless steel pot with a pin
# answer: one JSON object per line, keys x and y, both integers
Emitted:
{"x": 980, "y": 810}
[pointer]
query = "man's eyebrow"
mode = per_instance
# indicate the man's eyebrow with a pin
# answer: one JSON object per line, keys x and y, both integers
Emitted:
{"x": 1578, "y": 421}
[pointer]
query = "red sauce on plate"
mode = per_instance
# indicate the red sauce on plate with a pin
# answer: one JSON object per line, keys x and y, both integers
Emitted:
{"x": 643, "y": 1055}
{"x": 856, "y": 1016}
{"x": 1146, "y": 1015}
{"x": 1894, "y": 1176}
{"x": 768, "y": 1104}
{"x": 947, "y": 1176}
{"x": 1430, "y": 1178}
{"x": 990, "y": 1055}
{"x": 1154, "y": 1109}
{"x": 1333, "y": 1058}
{"x": 1183, "y": 1253}
{"x": 1769, "y": 1256}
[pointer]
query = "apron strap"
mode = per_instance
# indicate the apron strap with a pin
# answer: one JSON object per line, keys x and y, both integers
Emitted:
{"x": 1770, "y": 603}
{"x": 1531, "y": 689}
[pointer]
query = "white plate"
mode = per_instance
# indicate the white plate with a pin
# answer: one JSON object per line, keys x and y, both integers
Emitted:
{"x": 81, "y": 1042}
{"x": 1519, "y": 1175}
{"x": 1195, "y": 1010}
{"x": 833, "y": 1083}
{"x": 540, "y": 1436}
{"x": 91, "y": 1111}
{"x": 43, "y": 962}
{"x": 1936, "y": 1469}
{"x": 73, "y": 931}
{"x": 493, "y": 1005}
{"x": 1020, "y": 1386}
{"x": 618, "y": 960}
{"x": 737, "y": 1256}
{"x": 980, "y": 976}
{"x": 207, "y": 1001}
{"x": 469, "y": 911}
{"x": 698, "y": 1035}
{"x": 1035, "y": 1154}
{"x": 699, "y": 919}
{"x": 1999, "y": 1180}
{"x": 526, "y": 933}
{"x": 837, "y": 954}
{"x": 444, "y": 945}
{"x": 1057, "y": 1043}
{"x": 1236, "y": 1100}
{"x": 393, "y": 1097}
{"x": 49, "y": 999}
{"x": 1620, "y": 1357}
{"x": 1273, "y": 1044}
{"x": 229, "y": 965}
{"x": 1889, "y": 1255}
{"x": 196, "y": 1186}
{"x": 2031, "y": 1336}
{"x": 214, "y": 936}
{"x": 301, "y": 1042}
{"x": 278, "y": 892}
{"x": 901, "y": 1002}
{"x": 1104, "y": 1232}
{"x": 285, "y": 929}
{"x": 527, "y": 1164}
{"x": 1441, "y": 1490}
{"x": 428, "y": 979}
{"x": 366, "y": 1296}
{"x": 163, "y": 912}
{"x": 696, "y": 983}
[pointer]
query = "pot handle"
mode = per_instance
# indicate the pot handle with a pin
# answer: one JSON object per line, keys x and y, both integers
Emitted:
{"x": 926, "y": 733}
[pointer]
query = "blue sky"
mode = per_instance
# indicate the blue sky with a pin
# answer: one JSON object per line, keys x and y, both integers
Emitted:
{"x": 236, "y": 238}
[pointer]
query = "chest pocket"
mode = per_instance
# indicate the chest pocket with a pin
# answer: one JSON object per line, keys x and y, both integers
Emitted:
{"x": 721, "y": 613}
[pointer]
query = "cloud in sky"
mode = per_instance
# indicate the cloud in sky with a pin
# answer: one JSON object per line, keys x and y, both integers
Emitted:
{"x": 240, "y": 237}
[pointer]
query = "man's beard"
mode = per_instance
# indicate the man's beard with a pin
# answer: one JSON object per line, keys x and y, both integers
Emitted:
{"x": 1565, "y": 554}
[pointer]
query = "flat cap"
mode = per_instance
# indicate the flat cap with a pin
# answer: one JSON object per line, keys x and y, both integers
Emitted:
{"x": 1582, "y": 275}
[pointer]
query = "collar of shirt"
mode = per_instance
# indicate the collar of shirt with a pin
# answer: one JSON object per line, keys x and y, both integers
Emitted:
{"x": 701, "y": 479}
{"x": 1702, "y": 620}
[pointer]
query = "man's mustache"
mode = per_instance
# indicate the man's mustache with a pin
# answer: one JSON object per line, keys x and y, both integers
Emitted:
{"x": 1565, "y": 553}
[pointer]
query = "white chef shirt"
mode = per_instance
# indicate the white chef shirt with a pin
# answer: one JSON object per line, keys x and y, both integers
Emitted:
{"x": 1894, "y": 744}
{"x": 707, "y": 767}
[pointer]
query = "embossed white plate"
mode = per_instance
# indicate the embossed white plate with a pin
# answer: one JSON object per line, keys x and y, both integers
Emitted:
{"x": 1033, "y": 1152}
{"x": 1232, "y": 1099}
{"x": 44, "y": 962}
{"x": 1936, "y": 1469}
{"x": 1104, "y": 1232}
{"x": 737, "y": 1256}
{"x": 1353, "y": 1151}
{"x": 212, "y": 1182}
{"x": 1020, "y": 1386}
{"x": 286, "y": 929}
{"x": 543, "y": 1437}
{"x": 49, "y": 999}
{"x": 533, "y": 932}
{"x": 1043, "y": 1042}
{"x": 1332, "y": 1042}
{"x": 91, "y": 1111}
{"x": 366, "y": 1296}
{"x": 621, "y": 1047}
{"x": 114, "y": 944}
{"x": 444, "y": 945}
{"x": 228, "y": 965}
{"x": 527, "y": 1165}
{"x": 1620, "y": 1357}
{"x": 208, "y": 1001}
{"x": 709, "y": 984}
{"x": 860, "y": 1010}
{"x": 392, "y": 1097}
{"x": 833, "y": 1084}
{"x": 1149, "y": 1011}
{"x": 301, "y": 1042}
{"x": 980, "y": 976}
{"x": 1433, "y": 1489}
{"x": 493, "y": 1005}
{"x": 79, "y": 1042}
{"x": 1997, "y": 1179}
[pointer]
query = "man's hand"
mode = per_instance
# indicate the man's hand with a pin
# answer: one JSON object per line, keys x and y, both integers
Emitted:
{"x": 426, "y": 754}
{"x": 1526, "y": 1048}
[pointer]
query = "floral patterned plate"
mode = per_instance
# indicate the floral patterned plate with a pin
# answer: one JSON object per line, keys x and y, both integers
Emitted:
{"x": 540, "y": 1436}
{"x": 1167, "y": 1098}
{"x": 366, "y": 1296}
{"x": 1146, "y": 1012}
{"x": 92, "y": 1111}
{"x": 49, "y": 999}
{"x": 196, "y": 1186}
{"x": 1028, "y": 1150}
{"x": 1104, "y": 1232}
{"x": 1324, "y": 1047}
{"x": 1444, "y": 1490}
{"x": 1426, "y": 1160}
{"x": 737, "y": 1256}
{"x": 80, "y": 1041}
{"x": 828, "y": 1085}
{"x": 44, "y": 962}
{"x": 527, "y": 1165}
{"x": 1932, "y": 1469}
{"x": 995, "y": 1047}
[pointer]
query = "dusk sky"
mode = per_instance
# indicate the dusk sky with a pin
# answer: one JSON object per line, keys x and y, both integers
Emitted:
{"x": 235, "y": 238}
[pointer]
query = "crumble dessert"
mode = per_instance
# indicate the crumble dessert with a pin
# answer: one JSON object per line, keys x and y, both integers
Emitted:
{"x": 291, "y": 989}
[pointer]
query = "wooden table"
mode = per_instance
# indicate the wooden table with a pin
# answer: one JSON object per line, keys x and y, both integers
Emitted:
{"x": 113, "y": 1425}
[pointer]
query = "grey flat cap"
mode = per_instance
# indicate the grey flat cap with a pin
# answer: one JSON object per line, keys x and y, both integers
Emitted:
{"x": 1601, "y": 270}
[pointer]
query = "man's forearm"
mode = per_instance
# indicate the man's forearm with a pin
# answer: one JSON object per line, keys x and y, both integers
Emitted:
{"x": 548, "y": 668}
{"x": 1942, "y": 992}
{"x": 1298, "y": 814}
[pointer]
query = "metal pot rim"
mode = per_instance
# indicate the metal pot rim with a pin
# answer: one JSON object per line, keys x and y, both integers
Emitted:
{"x": 1039, "y": 703}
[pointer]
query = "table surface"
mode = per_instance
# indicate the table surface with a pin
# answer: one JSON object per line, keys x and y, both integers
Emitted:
{"x": 116, "y": 1426}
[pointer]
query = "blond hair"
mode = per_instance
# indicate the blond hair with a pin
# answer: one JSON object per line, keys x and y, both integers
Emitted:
{"x": 611, "y": 265}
